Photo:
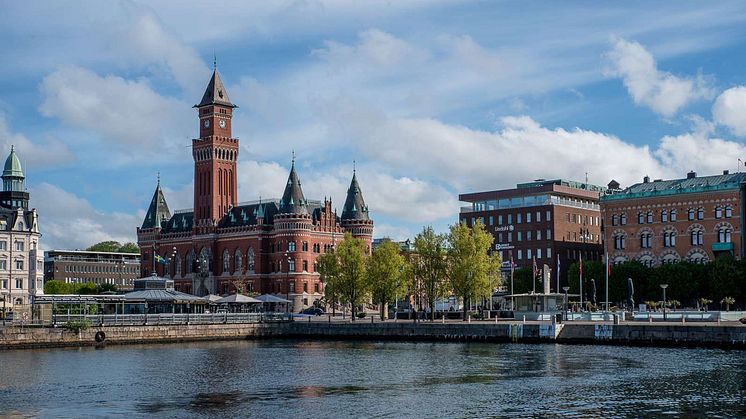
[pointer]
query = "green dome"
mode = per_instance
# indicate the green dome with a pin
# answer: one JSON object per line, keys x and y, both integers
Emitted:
{"x": 13, "y": 165}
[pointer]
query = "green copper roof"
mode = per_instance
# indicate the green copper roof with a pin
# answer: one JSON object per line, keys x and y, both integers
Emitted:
{"x": 679, "y": 186}
{"x": 13, "y": 165}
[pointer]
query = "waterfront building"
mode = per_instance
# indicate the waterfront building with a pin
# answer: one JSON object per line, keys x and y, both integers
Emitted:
{"x": 21, "y": 262}
{"x": 694, "y": 219}
{"x": 221, "y": 246}
{"x": 545, "y": 221}
{"x": 405, "y": 246}
{"x": 81, "y": 266}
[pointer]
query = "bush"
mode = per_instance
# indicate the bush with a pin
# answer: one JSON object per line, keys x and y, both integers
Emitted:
{"x": 78, "y": 325}
{"x": 360, "y": 315}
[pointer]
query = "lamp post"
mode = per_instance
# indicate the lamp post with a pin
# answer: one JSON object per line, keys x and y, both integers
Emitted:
{"x": 5, "y": 296}
{"x": 566, "y": 288}
{"x": 664, "y": 286}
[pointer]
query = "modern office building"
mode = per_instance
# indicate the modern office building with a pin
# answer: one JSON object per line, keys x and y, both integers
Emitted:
{"x": 694, "y": 219}
{"x": 21, "y": 262}
{"x": 81, "y": 266}
{"x": 221, "y": 246}
{"x": 543, "y": 221}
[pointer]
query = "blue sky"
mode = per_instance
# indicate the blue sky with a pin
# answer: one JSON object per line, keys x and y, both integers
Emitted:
{"x": 431, "y": 98}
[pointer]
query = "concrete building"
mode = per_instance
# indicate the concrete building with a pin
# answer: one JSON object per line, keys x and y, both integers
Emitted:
{"x": 221, "y": 246}
{"x": 81, "y": 266}
{"x": 21, "y": 262}
{"x": 543, "y": 220}
{"x": 694, "y": 219}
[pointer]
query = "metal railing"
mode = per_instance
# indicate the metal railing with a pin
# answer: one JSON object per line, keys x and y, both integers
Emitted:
{"x": 160, "y": 319}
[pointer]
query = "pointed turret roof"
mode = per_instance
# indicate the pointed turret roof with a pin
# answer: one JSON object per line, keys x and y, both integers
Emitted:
{"x": 215, "y": 94}
{"x": 355, "y": 208}
{"x": 158, "y": 211}
{"x": 293, "y": 201}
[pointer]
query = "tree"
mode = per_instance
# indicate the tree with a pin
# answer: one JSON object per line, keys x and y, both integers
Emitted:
{"x": 328, "y": 269}
{"x": 129, "y": 248}
{"x": 106, "y": 246}
{"x": 429, "y": 266}
{"x": 472, "y": 271}
{"x": 385, "y": 275}
{"x": 353, "y": 288}
{"x": 57, "y": 287}
{"x": 106, "y": 288}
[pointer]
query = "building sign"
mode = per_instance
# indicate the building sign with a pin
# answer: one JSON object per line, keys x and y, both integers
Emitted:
{"x": 505, "y": 228}
{"x": 504, "y": 246}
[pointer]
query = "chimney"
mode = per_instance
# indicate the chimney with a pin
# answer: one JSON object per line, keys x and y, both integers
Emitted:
{"x": 646, "y": 179}
{"x": 691, "y": 175}
{"x": 725, "y": 172}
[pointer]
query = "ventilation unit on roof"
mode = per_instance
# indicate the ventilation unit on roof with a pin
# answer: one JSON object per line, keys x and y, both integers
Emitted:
{"x": 691, "y": 175}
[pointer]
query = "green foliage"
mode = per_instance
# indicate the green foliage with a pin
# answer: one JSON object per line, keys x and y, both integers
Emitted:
{"x": 78, "y": 325}
{"x": 114, "y": 246}
{"x": 429, "y": 266}
{"x": 360, "y": 315}
{"x": 472, "y": 271}
{"x": 89, "y": 288}
{"x": 385, "y": 274}
{"x": 107, "y": 288}
{"x": 343, "y": 273}
{"x": 522, "y": 281}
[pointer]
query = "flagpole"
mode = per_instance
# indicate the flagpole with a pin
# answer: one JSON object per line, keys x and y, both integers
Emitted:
{"x": 581, "y": 282}
{"x": 512, "y": 295}
{"x": 607, "y": 281}
{"x": 558, "y": 274}
{"x": 534, "y": 275}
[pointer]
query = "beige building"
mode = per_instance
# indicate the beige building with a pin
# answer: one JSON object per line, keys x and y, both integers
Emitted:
{"x": 81, "y": 266}
{"x": 21, "y": 262}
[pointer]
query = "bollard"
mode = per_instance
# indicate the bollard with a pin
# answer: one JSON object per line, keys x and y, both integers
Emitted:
{"x": 309, "y": 319}
{"x": 469, "y": 319}
{"x": 495, "y": 319}
{"x": 443, "y": 318}
{"x": 650, "y": 318}
{"x": 330, "y": 318}
{"x": 683, "y": 318}
{"x": 524, "y": 319}
{"x": 371, "y": 319}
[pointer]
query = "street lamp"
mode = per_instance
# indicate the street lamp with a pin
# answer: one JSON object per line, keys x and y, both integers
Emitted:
{"x": 5, "y": 296}
{"x": 664, "y": 286}
{"x": 566, "y": 288}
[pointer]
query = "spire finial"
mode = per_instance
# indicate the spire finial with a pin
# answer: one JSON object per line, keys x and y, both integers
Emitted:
{"x": 214, "y": 61}
{"x": 12, "y": 147}
{"x": 293, "y": 161}
{"x": 158, "y": 176}
{"x": 353, "y": 167}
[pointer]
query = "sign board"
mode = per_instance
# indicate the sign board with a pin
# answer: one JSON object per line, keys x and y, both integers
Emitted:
{"x": 505, "y": 228}
{"x": 504, "y": 246}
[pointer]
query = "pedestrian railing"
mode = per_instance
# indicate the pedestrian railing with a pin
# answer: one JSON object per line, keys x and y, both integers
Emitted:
{"x": 163, "y": 319}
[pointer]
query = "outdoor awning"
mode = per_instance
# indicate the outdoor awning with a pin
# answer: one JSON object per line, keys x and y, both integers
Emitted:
{"x": 238, "y": 299}
{"x": 269, "y": 298}
{"x": 212, "y": 298}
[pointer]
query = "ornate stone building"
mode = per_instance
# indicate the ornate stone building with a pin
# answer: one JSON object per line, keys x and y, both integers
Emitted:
{"x": 221, "y": 246}
{"x": 21, "y": 261}
{"x": 694, "y": 219}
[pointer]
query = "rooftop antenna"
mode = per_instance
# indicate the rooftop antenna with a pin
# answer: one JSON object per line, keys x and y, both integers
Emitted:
{"x": 586, "y": 178}
{"x": 739, "y": 166}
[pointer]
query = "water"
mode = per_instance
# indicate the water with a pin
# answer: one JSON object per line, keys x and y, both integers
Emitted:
{"x": 286, "y": 378}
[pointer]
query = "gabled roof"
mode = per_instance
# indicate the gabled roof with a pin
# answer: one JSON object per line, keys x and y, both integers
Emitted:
{"x": 243, "y": 215}
{"x": 181, "y": 221}
{"x": 293, "y": 201}
{"x": 215, "y": 94}
{"x": 355, "y": 208}
{"x": 158, "y": 211}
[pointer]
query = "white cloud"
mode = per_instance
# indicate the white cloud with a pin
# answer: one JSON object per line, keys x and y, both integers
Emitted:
{"x": 33, "y": 155}
{"x": 70, "y": 222}
{"x": 696, "y": 151}
{"x": 730, "y": 109}
{"x": 126, "y": 114}
{"x": 661, "y": 91}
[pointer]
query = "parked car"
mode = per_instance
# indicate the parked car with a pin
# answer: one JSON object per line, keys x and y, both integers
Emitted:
{"x": 314, "y": 311}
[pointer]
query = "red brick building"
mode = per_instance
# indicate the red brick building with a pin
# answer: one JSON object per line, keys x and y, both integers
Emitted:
{"x": 221, "y": 246}
{"x": 544, "y": 220}
{"x": 694, "y": 219}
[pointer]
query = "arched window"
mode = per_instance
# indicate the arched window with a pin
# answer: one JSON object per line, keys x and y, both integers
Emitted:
{"x": 690, "y": 214}
{"x": 664, "y": 216}
{"x": 697, "y": 237}
{"x": 226, "y": 261}
{"x": 620, "y": 241}
{"x": 646, "y": 240}
{"x": 700, "y": 213}
{"x": 673, "y": 215}
{"x": 177, "y": 264}
{"x": 623, "y": 219}
{"x": 238, "y": 260}
{"x": 650, "y": 217}
{"x": 250, "y": 260}
{"x": 724, "y": 235}
{"x": 291, "y": 246}
{"x": 190, "y": 262}
{"x": 613, "y": 220}
{"x": 640, "y": 217}
{"x": 718, "y": 212}
{"x": 669, "y": 239}
{"x": 728, "y": 211}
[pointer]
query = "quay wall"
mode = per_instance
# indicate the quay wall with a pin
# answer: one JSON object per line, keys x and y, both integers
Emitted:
{"x": 732, "y": 336}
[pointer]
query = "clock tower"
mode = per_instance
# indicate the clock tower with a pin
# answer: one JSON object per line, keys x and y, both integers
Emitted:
{"x": 215, "y": 153}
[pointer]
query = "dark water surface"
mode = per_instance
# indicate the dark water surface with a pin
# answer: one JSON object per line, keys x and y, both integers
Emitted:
{"x": 286, "y": 378}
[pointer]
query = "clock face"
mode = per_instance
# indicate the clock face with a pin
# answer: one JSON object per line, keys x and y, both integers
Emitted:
{"x": 222, "y": 123}
{"x": 207, "y": 123}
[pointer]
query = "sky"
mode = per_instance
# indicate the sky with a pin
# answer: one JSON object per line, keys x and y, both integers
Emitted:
{"x": 429, "y": 99}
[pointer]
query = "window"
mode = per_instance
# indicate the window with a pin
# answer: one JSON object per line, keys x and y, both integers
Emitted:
{"x": 549, "y": 216}
{"x": 613, "y": 220}
{"x": 575, "y": 218}
{"x": 728, "y": 211}
{"x": 19, "y": 283}
{"x": 700, "y": 213}
{"x": 650, "y": 217}
{"x": 499, "y": 220}
{"x": 549, "y": 234}
{"x": 528, "y": 253}
{"x": 528, "y": 235}
{"x": 697, "y": 237}
{"x": 664, "y": 216}
{"x": 690, "y": 214}
{"x": 19, "y": 264}
{"x": 510, "y": 236}
{"x": 646, "y": 240}
{"x": 510, "y": 218}
{"x": 718, "y": 212}
{"x": 673, "y": 215}
{"x": 538, "y": 253}
{"x": 305, "y": 246}
{"x": 520, "y": 254}
{"x": 291, "y": 246}
{"x": 238, "y": 261}
{"x": 640, "y": 218}
{"x": 623, "y": 219}
{"x": 724, "y": 235}
{"x": 250, "y": 260}
{"x": 528, "y": 217}
{"x": 500, "y": 237}
{"x": 538, "y": 234}
{"x": 3, "y": 245}
{"x": 305, "y": 266}
{"x": 519, "y": 236}
{"x": 291, "y": 265}
{"x": 518, "y": 218}
{"x": 669, "y": 239}
{"x": 5, "y": 284}
{"x": 305, "y": 287}
{"x": 19, "y": 246}
{"x": 226, "y": 261}
{"x": 491, "y": 220}
{"x": 549, "y": 252}
{"x": 619, "y": 242}
{"x": 538, "y": 216}
{"x": 316, "y": 288}
{"x": 292, "y": 286}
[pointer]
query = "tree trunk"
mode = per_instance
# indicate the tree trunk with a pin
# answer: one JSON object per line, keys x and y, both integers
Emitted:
{"x": 464, "y": 308}
{"x": 384, "y": 310}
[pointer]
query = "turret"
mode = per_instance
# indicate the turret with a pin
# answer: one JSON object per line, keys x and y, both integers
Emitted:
{"x": 293, "y": 201}
{"x": 158, "y": 211}
{"x": 355, "y": 217}
{"x": 14, "y": 193}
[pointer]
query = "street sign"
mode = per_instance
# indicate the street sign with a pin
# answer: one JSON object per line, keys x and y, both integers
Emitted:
{"x": 504, "y": 246}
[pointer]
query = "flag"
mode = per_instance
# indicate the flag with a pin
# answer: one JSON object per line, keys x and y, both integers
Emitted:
{"x": 512, "y": 265}
{"x": 536, "y": 269}
{"x": 581, "y": 264}
{"x": 608, "y": 265}
{"x": 161, "y": 260}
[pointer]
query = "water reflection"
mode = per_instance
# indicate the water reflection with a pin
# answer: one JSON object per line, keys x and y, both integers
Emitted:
{"x": 353, "y": 379}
